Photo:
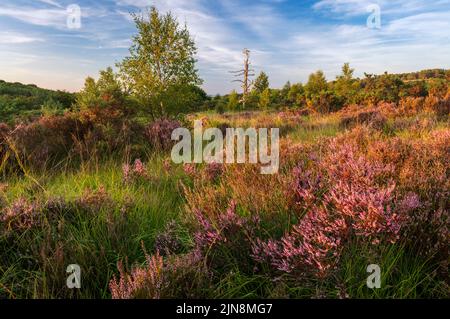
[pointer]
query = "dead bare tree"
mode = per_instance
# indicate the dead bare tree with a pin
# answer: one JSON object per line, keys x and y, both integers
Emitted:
{"x": 245, "y": 74}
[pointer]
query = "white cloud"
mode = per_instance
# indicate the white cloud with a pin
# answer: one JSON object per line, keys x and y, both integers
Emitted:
{"x": 16, "y": 38}
{"x": 414, "y": 35}
{"x": 42, "y": 17}
{"x": 51, "y": 2}
{"x": 359, "y": 7}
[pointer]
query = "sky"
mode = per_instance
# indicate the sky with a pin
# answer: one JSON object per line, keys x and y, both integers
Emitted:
{"x": 42, "y": 41}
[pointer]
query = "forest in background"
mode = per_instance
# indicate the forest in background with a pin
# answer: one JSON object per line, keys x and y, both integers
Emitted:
{"x": 22, "y": 103}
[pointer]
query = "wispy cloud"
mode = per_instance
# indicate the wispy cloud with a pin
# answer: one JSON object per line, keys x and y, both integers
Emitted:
{"x": 288, "y": 38}
{"x": 42, "y": 17}
{"x": 52, "y": 3}
{"x": 17, "y": 38}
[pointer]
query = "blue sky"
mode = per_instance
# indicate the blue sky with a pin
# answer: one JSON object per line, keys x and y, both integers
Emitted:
{"x": 288, "y": 39}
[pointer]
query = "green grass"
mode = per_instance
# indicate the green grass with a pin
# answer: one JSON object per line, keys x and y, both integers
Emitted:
{"x": 33, "y": 263}
{"x": 86, "y": 238}
{"x": 314, "y": 128}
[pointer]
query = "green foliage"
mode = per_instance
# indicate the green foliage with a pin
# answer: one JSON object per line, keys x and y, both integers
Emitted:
{"x": 105, "y": 92}
{"x": 345, "y": 86}
{"x": 233, "y": 101}
{"x": 51, "y": 108}
{"x": 264, "y": 99}
{"x": 384, "y": 87}
{"x": 89, "y": 96}
{"x": 284, "y": 93}
{"x": 261, "y": 83}
{"x": 316, "y": 85}
{"x": 296, "y": 94}
{"x": 110, "y": 88}
{"x": 161, "y": 65}
{"x": 20, "y": 102}
{"x": 220, "y": 107}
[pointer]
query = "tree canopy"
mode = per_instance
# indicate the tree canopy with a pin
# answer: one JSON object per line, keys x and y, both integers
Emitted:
{"x": 161, "y": 65}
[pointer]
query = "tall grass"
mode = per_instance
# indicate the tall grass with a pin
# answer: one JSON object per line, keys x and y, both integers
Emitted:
{"x": 92, "y": 217}
{"x": 95, "y": 240}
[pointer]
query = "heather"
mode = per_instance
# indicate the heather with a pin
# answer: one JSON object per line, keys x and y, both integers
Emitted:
{"x": 363, "y": 179}
{"x": 143, "y": 227}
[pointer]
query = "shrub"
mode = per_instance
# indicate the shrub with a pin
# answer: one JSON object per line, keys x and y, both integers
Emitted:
{"x": 135, "y": 172}
{"x": 20, "y": 216}
{"x": 411, "y": 105}
{"x": 95, "y": 200}
{"x": 372, "y": 118}
{"x": 179, "y": 277}
{"x": 168, "y": 241}
{"x": 312, "y": 247}
{"x": 48, "y": 140}
{"x": 348, "y": 197}
{"x": 225, "y": 236}
{"x": 159, "y": 133}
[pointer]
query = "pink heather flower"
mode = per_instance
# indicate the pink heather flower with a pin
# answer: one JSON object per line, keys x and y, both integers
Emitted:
{"x": 167, "y": 164}
{"x": 190, "y": 169}
{"x": 126, "y": 171}
{"x": 147, "y": 280}
{"x": 314, "y": 245}
{"x": 21, "y": 215}
{"x": 213, "y": 171}
{"x": 409, "y": 203}
{"x": 139, "y": 168}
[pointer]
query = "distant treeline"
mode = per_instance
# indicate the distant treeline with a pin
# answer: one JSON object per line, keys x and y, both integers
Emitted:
{"x": 20, "y": 102}
{"x": 324, "y": 96}
{"x": 426, "y": 74}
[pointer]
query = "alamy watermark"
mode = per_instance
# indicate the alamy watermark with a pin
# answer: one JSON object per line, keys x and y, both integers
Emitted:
{"x": 374, "y": 280}
{"x": 74, "y": 279}
{"x": 73, "y": 16}
{"x": 374, "y": 20}
{"x": 233, "y": 148}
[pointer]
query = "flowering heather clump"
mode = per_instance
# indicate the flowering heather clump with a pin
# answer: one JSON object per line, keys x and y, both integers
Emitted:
{"x": 131, "y": 173}
{"x": 167, "y": 165}
{"x": 227, "y": 233}
{"x": 363, "y": 192}
{"x": 159, "y": 133}
{"x": 183, "y": 276}
{"x": 141, "y": 283}
{"x": 213, "y": 171}
{"x": 306, "y": 185}
{"x": 190, "y": 170}
{"x": 426, "y": 172}
{"x": 369, "y": 211}
{"x": 427, "y": 229}
{"x": 345, "y": 196}
{"x": 313, "y": 246}
{"x": 345, "y": 164}
{"x": 95, "y": 200}
{"x": 48, "y": 139}
{"x": 139, "y": 168}
{"x": 20, "y": 216}
{"x": 168, "y": 242}
{"x": 409, "y": 203}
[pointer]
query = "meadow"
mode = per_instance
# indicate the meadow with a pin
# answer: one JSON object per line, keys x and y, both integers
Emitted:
{"x": 352, "y": 191}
